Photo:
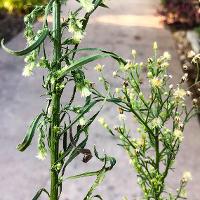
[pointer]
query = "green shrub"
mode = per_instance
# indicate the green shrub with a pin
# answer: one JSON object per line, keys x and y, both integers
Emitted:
{"x": 20, "y": 5}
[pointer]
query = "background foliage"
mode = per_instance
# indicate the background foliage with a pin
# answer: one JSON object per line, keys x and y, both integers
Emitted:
{"x": 181, "y": 13}
{"x": 20, "y": 5}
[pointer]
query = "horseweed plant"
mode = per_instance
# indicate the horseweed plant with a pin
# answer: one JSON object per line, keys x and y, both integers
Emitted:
{"x": 63, "y": 127}
{"x": 161, "y": 113}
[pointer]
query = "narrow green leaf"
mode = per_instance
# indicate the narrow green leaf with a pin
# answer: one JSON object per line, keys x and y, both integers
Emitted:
{"x": 86, "y": 174}
{"x": 29, "y": 49}
{"x": 80, "y": 63}
{"x": 100, "y": 174}
{"x": 100, "y": 177}
{"x": 29, "y": 134}
{"x": 103, "y": 5}
{"x": 39, "y": 193}
{"x": 111, "y": 54}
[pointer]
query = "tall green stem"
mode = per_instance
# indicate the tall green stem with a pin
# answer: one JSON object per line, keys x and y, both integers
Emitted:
{"x": 157, "y": 193}
{"x": 55, "y": 119}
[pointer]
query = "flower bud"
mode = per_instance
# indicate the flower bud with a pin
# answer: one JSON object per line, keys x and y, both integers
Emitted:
{"x": 134, "y": 52}
{"x": 155, "y": 46}
{"x": 114, "y": 74}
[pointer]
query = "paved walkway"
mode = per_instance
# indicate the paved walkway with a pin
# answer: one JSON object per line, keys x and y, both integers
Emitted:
{"x": 128, "y": 24}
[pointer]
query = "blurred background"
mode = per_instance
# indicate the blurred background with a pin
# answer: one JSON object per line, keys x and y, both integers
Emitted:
{"x": 126, "y": 25}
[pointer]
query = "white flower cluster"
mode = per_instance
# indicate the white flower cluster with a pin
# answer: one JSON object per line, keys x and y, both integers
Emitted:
{"x": 87, "y": 5}
{"x": 75, "y": 27}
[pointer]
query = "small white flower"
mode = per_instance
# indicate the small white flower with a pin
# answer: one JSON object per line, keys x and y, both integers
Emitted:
{"x": 156, "y": 122}
{"x": 181, "y": 125}
{"x": 171, "y": 86}
{"x": 194, "y": 101}
{"x": 164, "y": 65}
{"x": 99, "y": 68}
{"x": 101, "y": 120}
{"x": 185, "y": 67}
{"x": 167, "y": 55}
{"x": 82, "y": 121}
{"x": 28, "y": 70}
{"x": 100, "y": 79}
{"x": 78, "y": 36}
{"x": 141, "y": 142}
{"x": 177, "y": 119}
{"x": 184, "y": 77}
{"x": 42, "y": 154}
{"x": 156, "y": 82}
{"x": 187, "y": 176}
{"x": 179, "y": 94}
{"x": 178, "y": 134}
{"x": 166, "y": 130}
{"x": 117, "y": 90}
{"x": 190, "y": 54}
{"x": 85, "y": 92}
{"x": 74, "y": 24}
{"x": 189, "y": 93}
{"x": 115, "y": 127}
{"x": 141, "y": 64}
{"x": 129, "y": 65}
{"x": 114, "y": 74}
{"x": 196, "y": 58}
{"x": 87, "y": 5}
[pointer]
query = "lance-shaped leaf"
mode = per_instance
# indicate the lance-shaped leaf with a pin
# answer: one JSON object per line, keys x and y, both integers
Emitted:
{"x": 79, "y": 64}
{"x": 118, "y": 58}
{"x": 39, "y": 193}
{"x": 30, "y": 133}
{"x": 99, "y": 179}
{"x": 29, "y": 49}
{"x": 100, "y": 174}
{"x": 107, "y": 159}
